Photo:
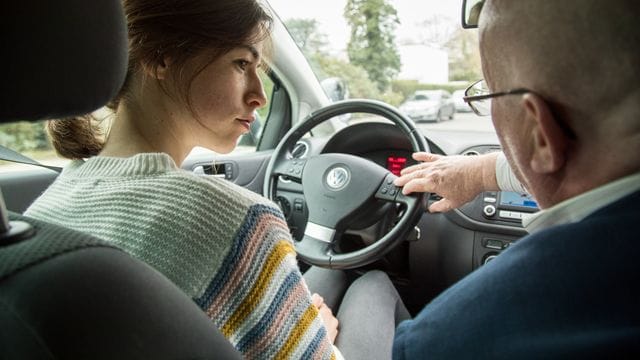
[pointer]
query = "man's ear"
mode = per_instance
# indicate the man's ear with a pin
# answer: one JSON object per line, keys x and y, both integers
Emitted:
{"x": 157, "y": 71}
{"x": 549, "y": 143}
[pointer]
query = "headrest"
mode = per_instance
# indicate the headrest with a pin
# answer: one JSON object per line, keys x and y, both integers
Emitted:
{"x": 60, "y": 58}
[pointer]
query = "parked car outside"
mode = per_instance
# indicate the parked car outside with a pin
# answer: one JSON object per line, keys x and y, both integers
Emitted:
{"x": 429, "y": 105}
{"x": 461, "y": 106}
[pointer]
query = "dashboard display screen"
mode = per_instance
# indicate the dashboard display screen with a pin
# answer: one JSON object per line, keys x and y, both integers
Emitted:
{"x": 395, "y": 164}
{"x": 517, "y": 199}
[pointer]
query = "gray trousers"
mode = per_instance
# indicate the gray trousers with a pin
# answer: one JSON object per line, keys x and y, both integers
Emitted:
{"x": 368, "y": 311}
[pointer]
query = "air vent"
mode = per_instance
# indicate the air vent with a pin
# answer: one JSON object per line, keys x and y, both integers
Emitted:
{"x": 300, "y": 150}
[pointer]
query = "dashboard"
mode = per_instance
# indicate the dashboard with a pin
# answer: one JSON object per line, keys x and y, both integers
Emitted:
{"x": 449, "y": 245}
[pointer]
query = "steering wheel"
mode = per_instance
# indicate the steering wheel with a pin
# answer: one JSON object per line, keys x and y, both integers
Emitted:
{"x": 339, "y": 186}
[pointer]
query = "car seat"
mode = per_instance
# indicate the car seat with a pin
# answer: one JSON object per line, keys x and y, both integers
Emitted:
{"x": 65, "y": 294}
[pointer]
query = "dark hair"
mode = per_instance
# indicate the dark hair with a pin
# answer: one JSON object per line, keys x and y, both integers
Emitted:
{"x": 174, "y": 29}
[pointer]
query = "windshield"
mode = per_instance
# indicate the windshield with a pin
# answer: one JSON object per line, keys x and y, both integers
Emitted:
{"x": 409, "y": 50}
{"x": 426, "y": 95}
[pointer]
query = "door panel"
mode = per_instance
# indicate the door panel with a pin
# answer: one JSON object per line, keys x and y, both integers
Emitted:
{"x": 246, "y": 170}
{"x": 21, "y": 188}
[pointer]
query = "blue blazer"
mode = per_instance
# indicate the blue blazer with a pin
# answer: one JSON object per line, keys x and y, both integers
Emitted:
{"x": 570, "y": 291}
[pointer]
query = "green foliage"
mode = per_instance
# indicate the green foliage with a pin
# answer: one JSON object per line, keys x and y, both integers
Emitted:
{"x": 372, "y": 43}
{"x": 359, "y": 84}
{"x": 313, "y": 43}
{"x": 24, "y": 136}
{"x": 464, "y": 56}
{"x": 354, "y": 76}
{"x": 267, "y": 83}
{"x": 306, "y": 35}
{"x": 405, "y": 87}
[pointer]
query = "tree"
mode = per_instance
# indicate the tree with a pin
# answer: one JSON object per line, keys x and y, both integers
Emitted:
{"x": 461, "y": 46}
{"x": 372, "y": 43}
{"x": 306, "y": 35}
{"x": 313, "y": 43}
{"x": 356, "y": 77}
{"x": 464, "y": 56}
{"x": 24, "y": 136}
{"x": 437, "y": 30}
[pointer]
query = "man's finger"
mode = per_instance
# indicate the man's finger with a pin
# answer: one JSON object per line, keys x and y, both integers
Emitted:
{"x": 418, "y": 185}
{"x": 442, "y": 205}
{"x": 411, "y": 169}
{"x": 425, "y": 156}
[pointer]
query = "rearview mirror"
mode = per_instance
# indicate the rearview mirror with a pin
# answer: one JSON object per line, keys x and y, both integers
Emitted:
{"x": 471, "y": 13}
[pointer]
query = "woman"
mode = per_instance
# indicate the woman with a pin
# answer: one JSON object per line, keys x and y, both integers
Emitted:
{"x": 192, "y": 80}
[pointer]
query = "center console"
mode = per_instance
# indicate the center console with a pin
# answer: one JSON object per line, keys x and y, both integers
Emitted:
{"x": 507, "y": 206}
{"x": 498, "y": 215}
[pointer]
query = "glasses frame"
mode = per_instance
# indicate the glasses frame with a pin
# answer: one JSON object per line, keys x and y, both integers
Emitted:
{"x": 519, "y": 91}
{"x": 470, "y": 99}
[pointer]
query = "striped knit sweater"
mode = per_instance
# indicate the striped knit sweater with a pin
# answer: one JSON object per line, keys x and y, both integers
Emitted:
{"x": 226, "y": 247}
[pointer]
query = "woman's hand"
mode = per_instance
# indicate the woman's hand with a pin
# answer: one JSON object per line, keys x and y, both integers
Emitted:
{"x": 330, "y": 321}
{"x": 457, "y": 179}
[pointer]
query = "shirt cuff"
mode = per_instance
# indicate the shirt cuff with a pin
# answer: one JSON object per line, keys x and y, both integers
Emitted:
{"x": 337, "y": 353}
{"x": 505, "y": 177}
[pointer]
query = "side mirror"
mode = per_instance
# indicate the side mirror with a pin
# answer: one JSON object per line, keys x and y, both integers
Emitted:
{"x": 335, "y": 88}
{"x": 471, "y": 13}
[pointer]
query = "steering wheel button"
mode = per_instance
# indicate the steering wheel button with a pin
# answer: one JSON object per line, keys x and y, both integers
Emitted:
{"x": 393, "y": 191}
{"x": 384, "y": 190}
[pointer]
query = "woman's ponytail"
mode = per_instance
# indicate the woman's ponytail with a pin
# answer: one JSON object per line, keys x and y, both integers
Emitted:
{"x": 76, "y": 138}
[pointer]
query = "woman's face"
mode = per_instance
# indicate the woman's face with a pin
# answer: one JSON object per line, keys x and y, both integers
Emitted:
{"x": 224, "y": 97}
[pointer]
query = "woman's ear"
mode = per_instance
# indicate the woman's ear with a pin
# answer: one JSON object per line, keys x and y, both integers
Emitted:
{"x": 549, "y": 143}
{"x": 157, "y": 71}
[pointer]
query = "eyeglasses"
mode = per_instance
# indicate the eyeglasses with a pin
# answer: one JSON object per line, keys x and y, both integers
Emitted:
{"x": 479, "y": 97}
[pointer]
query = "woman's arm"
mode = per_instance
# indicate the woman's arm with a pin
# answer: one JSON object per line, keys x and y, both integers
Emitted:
{"x": 258, "y": 297}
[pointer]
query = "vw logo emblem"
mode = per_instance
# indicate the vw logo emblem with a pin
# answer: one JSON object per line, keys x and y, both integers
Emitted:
{"x": 338, "y": 178}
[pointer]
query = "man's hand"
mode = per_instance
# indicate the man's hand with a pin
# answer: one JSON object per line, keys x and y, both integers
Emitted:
{"x": 330, "y": 321}
{"x": 457, "y": 179}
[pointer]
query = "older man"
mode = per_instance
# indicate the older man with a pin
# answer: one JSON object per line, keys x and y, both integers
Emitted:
{"x": 566, "y": 106}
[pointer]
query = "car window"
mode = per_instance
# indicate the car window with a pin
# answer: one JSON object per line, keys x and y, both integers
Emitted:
{"x": 411, "y": 46}
{"x": 249, "y": 141}
{"x": 31, "y": 139}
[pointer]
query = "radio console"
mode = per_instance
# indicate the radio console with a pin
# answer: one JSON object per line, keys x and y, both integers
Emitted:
{"x": 507, "y": 205}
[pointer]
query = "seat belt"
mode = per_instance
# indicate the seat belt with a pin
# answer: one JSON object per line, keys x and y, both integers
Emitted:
{"x": 13, "y": 156}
